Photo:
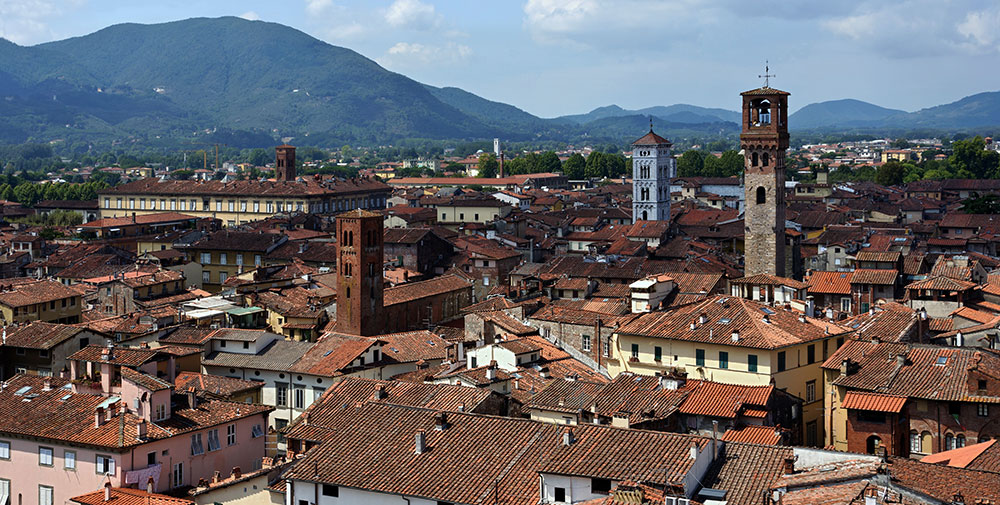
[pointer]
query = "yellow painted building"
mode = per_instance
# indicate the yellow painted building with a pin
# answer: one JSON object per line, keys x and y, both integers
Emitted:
{"x": 226, "y": 254}
{"x": 734, "y": 341}
{"x": 44, "y": 300}
{"x": 239, "y": 202}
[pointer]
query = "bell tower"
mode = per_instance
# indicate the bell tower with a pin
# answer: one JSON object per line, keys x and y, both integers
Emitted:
{"x": 764, "y": 140}
{"x": 652, "y": 168}
{"x": 284, "y": 163}
{"x": 360, "y": 300}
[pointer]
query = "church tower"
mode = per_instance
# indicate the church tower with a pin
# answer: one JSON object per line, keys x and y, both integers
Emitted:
{"x": 652, "y": 168}
{"x": 359, "y": 273}
{"x": 764, "y": 139}
{"x": 284, "y": 163}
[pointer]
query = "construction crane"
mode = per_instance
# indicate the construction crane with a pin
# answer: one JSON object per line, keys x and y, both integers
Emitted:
{"x": 206, "y": 154}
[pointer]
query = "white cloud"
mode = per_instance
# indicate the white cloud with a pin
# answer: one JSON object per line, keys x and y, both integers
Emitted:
{"x": 250, "y": 16}
{"x": 317, "y": 7}
{"x": 26, "y": 21}
{"x": 608, "y": 23}
{"x": 335, "y": 23}
{"x": 412, "y": 14}
{"x": 980, "y": 30}
{"x": 408, "y": 54}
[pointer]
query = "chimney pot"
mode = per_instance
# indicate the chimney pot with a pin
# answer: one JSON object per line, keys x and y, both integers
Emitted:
{"x": 149, "y": 485}
{"x": 98, "y": 417}
{"x": 420, "y": 442}
{"x": 441, "y": 421}
{"x": 237, "y": 473}
{"x": 789, "y": 466}
{"x": 567, "y": 438}
{"x": 107, "y": 491}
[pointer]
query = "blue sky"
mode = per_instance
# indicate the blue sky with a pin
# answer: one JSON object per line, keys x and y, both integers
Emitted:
{"x": 554, "y": 57}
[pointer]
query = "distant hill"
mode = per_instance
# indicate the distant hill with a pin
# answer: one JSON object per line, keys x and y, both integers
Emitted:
{"x": 840, "y": 113}
{"x": 253, "y": 83}
{"x": 982, "y": 109}
{"x": 677, "y": 113}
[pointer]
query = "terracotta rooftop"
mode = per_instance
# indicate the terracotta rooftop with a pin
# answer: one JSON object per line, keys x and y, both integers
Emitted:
{"x": 423, "y": 289}
{"x": 757, "y": 325}
{"x": 143, "y": 220}
{"x": 39, "y": 335}
{"x": 830, "y": 282}
{"x": 128, "y": 496}
{"x": 753, "y": 434}
{"x": 214, "y": 384}
{"x": 651, "y": 139}
{"x": 874, "y": 276}
{"x": 304, "y": 188}
{"x": 859, "y": 400}
{"x": 30, "y": 293}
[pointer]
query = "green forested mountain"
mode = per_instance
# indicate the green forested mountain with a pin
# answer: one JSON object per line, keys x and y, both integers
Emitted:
{"x": 253, "y": 83}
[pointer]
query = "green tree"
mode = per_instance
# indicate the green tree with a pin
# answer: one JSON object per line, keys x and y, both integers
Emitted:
{"x": 596, "y": 166}
{"x": 901, "y": 143}
{"x": 890, "y": 173}
{"x": 574, "y": 166}
{"x": 548, "y": 162}
{"x": 488, "y": 165}
{"x": 731, "y": 163}
{"x": 971, "y": 155}
{"x": 987, "y": 204}
{"x": 690, "y": 163}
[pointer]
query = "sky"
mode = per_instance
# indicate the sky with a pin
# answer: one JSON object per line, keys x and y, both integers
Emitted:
{"x": 556, "y": 57}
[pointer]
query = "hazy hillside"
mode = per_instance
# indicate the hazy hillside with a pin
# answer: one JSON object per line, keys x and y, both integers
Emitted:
{"x": 839, "y": 113}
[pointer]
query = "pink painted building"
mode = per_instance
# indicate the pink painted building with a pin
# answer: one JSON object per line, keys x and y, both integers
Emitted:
{"x": 56, "y": 443}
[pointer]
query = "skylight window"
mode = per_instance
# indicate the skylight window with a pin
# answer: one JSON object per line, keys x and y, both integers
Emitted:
{"x": 767, "y": 311}
{"x": 724, "y": 320}
{"x": 23, "y": 390}
{"x": 941, "y": 360}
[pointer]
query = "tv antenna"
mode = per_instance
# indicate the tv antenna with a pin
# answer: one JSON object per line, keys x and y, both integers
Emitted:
{"x": 767, "y": 75}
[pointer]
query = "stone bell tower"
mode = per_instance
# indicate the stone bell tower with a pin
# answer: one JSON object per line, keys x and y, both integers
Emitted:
{"x": 652, "y": 168}
{"x": 764, "y": 140}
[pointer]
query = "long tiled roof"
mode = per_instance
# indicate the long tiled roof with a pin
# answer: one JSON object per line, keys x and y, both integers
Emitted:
{"x": 147, "y": 219}
{"x": 329, "y": 187}
{"x": 830, "y": 282}
{"x": 726, "y": 315}
{"x": 498, "y": 459}
{"x": 23, "y": 294}
{"x": 331, "y": 355}
{"x": 943, "y": 482}
{"x": 422, "y": 289}
{"x": 859, "y": 400}
{"x": 941, "y": 283}
{"x": 128, "y": 496}
{"x": 124, "y": 356}
{"x": 60, "y": 415}
{"x": 753, "y": 434}
{"x": 874, "y": 276}
{"x": 927, "y": 372}
{"x": 277, "y": 356}
{"x": 747, "y": 471}
{"x": 566, "y": 395}
{"x": 214, "y": 384}
{"x": 39, "y": 335}
{"x": 715, "y": 399}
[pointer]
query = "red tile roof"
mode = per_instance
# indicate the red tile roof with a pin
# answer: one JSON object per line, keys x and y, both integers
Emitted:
{"x": 143, "y": 220}
{"x": 858, "y": 400}
{"x": 128, "y": 496}
{"x": 651, "y": 139}
{"x": 424, "y": 289}
{"x": 753, "y": 434}
{"x": 838, "y": 283}
{"x": 874, "y": 276}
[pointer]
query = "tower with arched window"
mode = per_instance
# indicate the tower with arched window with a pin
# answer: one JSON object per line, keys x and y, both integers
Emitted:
{"x": 359, "y": 273}
{"x": 764, "y": 139}
{"x": 652, "y": 168}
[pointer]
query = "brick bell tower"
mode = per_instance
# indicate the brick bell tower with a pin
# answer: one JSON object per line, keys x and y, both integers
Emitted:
{"x": 284, "y": 163}
{"x": 360, "y": 305}
{"x": 764, "y": 139}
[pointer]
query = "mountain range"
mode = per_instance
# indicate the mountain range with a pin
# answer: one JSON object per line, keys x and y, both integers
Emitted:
{"x": 252, "y": 83}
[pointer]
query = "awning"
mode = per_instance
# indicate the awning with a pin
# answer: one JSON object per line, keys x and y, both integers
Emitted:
{"x": 876, "y": 402}
{"x": 244, "y": 311}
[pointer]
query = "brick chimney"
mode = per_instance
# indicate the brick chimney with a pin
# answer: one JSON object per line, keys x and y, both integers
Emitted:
{"x": 440, "y": 421}
{"x": 789, "y": 466}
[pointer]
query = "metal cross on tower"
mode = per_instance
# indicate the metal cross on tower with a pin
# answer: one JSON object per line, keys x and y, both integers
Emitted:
{"x": 767, "y": 76}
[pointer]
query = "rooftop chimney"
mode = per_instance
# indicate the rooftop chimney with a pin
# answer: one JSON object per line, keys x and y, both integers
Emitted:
{"x": 567, "y": 438}
{"x": 380, "y": 392}
{"x": 47, "y": 384}
{"x": 420, "y": 443}
{"x": 192, "y": 399}
{"x": 141, "y": 429}
{"x": 149, "y": 485}
{"x": 107, "y": 491}
{"x": 491, "y": 371}
{"x": 441, "y": 421}
{"x": 735, "y": 337}
{"x": 789, "y": 465}
{"x": 703, "y": 318}
{"x": 237, "y": 473}
{"x": 693, "y": 451}
{"x": 98, "y": 417}
{"x": 900, "y": 360}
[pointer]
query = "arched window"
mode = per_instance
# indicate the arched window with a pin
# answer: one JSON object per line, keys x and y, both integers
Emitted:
{"x": 915, "y": 441}
{"x": 645, "y": 215}
{"x": 960, "y": 441}
{"x": 761, "y": 195}
{"x": 926, "y": 442}
{"x": 753, "y": 159}
{"x": 766, "y": 158}
{"x": 872, "y": 444}
{"x": 350, "y": 237}
{"x": 949, "y": 442}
